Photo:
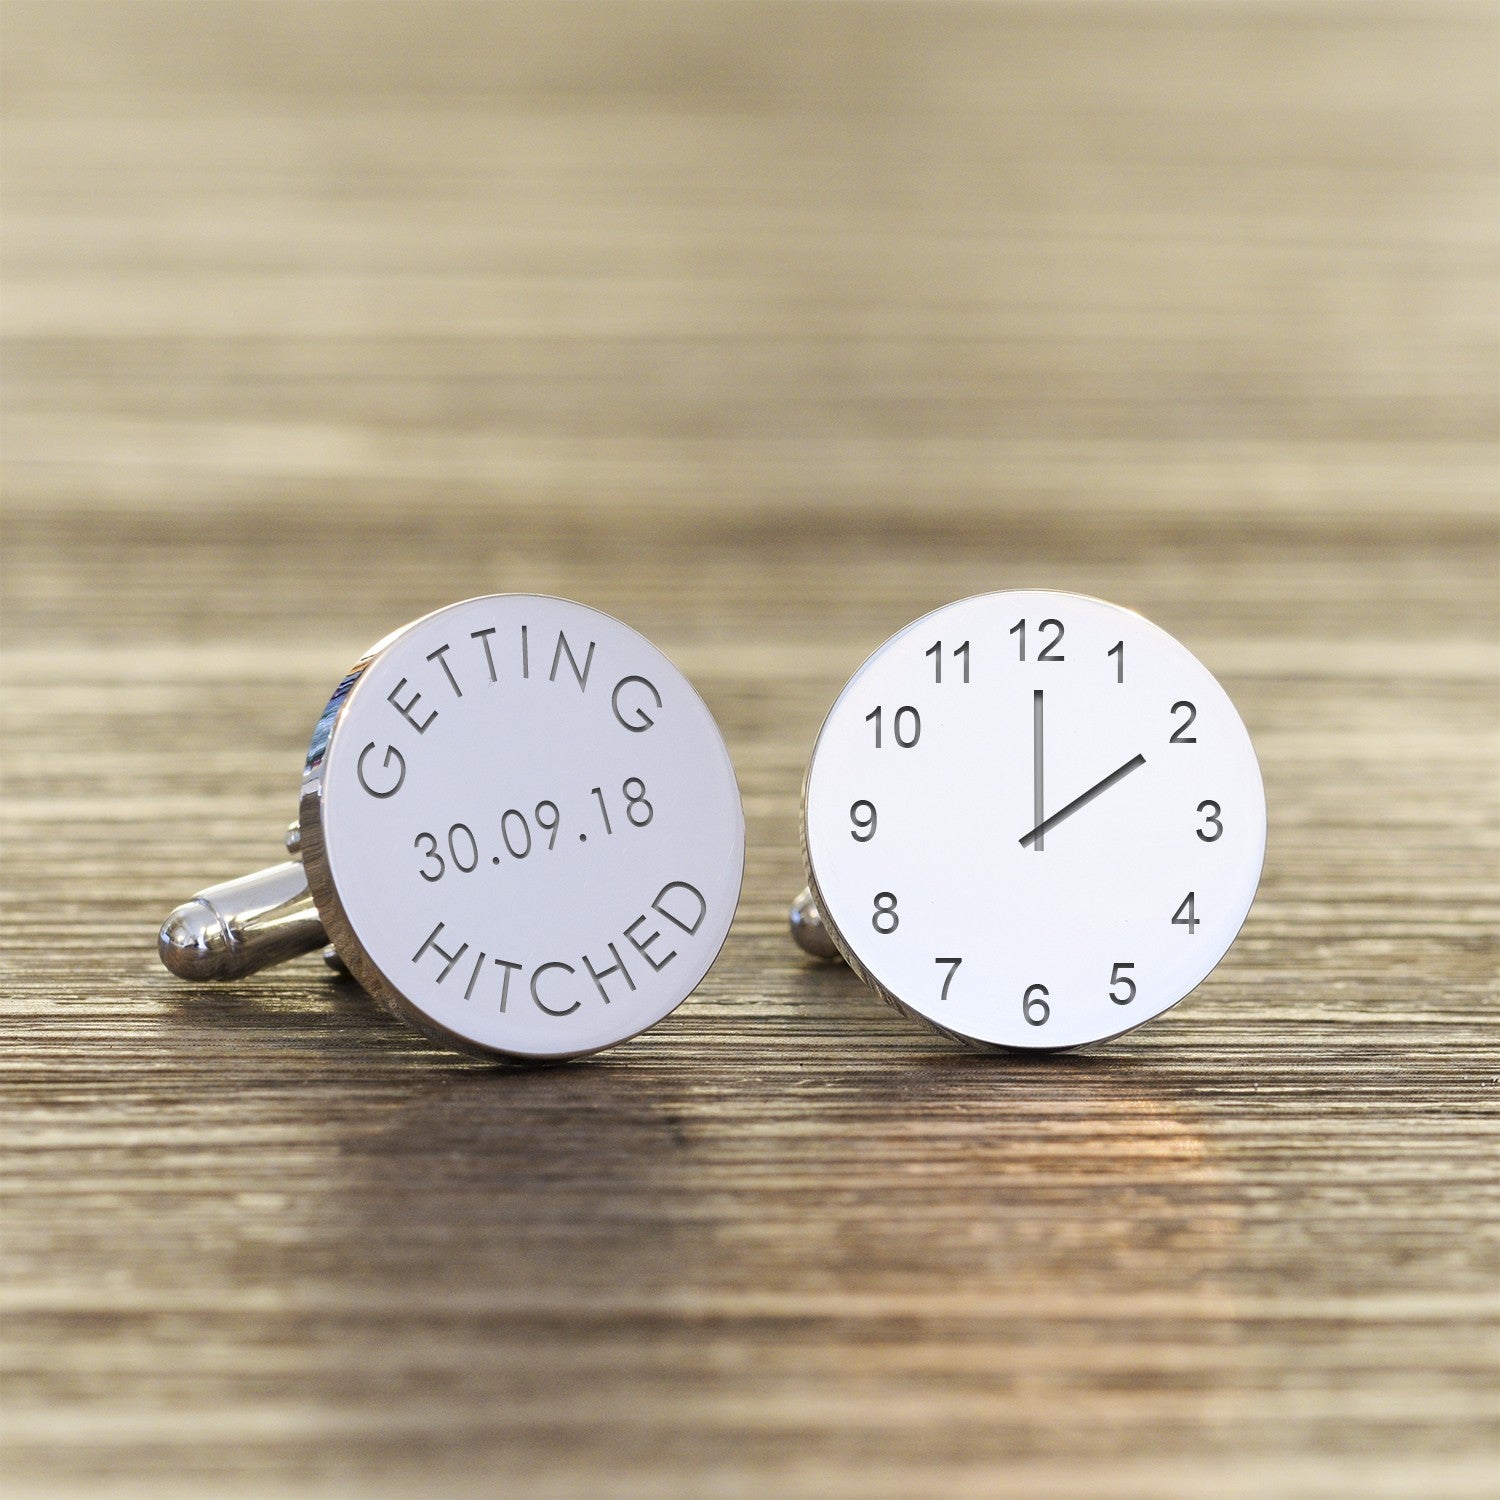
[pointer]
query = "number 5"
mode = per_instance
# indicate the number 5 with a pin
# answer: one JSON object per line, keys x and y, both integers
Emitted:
{"x": 1115, "y": 978}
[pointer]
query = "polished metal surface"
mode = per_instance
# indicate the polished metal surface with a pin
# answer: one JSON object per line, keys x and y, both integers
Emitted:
{"x": 234, "y": 929}
{"x": 1083, "y": 935}
{"x": 554, "y": 946}
{"x": 355, "y": 884}
{"x": 808, "y": 929}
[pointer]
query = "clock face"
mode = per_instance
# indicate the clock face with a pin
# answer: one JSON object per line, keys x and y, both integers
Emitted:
{"x": 521, "y": 827}
{"x": 1034, "y": 819}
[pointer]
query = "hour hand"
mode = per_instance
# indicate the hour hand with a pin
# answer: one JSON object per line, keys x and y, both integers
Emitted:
{"x": 1036, "y": 763}
{"x": 1048, "y": 824}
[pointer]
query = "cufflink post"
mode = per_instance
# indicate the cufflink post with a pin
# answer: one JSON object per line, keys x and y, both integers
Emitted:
{"x": 240, "y": 926}
{"x": 808, "y": 929}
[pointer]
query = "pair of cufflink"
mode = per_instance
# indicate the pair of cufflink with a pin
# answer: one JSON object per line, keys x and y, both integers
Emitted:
{"x": 1031, "y": 819}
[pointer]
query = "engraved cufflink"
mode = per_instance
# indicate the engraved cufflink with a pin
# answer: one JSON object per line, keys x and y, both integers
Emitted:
{"x": 519, "y": 829}
{"x": 1032, "y": 820}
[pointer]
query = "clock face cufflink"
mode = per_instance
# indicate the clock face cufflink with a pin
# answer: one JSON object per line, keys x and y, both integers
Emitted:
{"x": 1031, "y": 819}
{"x": 518, "y": 828}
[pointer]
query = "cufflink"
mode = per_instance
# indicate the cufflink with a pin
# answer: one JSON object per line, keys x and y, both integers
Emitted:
{"x": 518, "y": 828}
{"x": 1032, "y": 820}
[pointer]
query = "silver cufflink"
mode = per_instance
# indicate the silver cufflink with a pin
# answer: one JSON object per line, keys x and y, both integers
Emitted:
{"x": 1032, "y": 820}
{"x": 519, "y": 829}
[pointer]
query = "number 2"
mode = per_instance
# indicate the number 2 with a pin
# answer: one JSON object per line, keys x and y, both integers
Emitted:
{"x": 1180, "y": 735}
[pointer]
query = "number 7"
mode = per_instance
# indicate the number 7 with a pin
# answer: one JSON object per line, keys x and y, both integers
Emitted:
{"x": 948, "y": 978}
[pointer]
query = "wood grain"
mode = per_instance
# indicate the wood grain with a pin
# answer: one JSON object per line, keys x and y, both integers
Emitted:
{"x": 765, "y": 328}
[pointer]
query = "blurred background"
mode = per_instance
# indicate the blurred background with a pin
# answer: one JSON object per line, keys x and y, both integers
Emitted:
{"x": 766, "y": 327}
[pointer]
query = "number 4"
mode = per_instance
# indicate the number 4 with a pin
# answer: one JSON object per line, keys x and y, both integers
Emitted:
{"x": 1184, "y": 915}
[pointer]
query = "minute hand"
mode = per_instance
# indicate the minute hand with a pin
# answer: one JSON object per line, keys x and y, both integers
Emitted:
{"x": 1048, "y": 824}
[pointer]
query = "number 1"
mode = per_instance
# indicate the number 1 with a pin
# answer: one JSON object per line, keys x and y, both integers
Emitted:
{"x": 603, "y": 810}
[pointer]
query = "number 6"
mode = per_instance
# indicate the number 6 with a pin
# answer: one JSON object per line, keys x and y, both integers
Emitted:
{"x": 1034, "y": 1007}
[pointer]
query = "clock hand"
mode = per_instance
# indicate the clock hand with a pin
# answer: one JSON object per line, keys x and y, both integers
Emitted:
{"x": 1036, "y": 763}
{"x": 1046, "y": 824}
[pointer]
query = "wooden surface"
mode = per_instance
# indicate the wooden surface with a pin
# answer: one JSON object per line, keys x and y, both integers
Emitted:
{"x": 766, "y": 329}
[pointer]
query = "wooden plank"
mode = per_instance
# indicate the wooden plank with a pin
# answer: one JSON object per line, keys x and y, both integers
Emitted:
{"x": 765, "y": 328}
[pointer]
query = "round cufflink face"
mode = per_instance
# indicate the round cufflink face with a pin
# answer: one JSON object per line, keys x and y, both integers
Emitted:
{"x": 1034, "y": 820}
{"x": 521, "y": 828}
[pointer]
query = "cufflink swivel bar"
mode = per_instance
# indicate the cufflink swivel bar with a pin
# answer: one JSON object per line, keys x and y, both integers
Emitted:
{"x": 241, "y": 926}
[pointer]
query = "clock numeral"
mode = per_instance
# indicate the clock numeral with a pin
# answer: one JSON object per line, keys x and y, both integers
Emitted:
{"x": 1212, "y": 818}
{"x": 1117, "y": 977}
{"x": 1180, "y": 735}
{"x": 1118, "y": 650}
{"x": 935, "y": 651}
{"x": 884, "y": 919}
{"x": 1185, "y": 915}
{"x": 1034, "y": 1005}
{"x": 906, "y": 726}
{"x": 1045, "y": 654}
{"x": 864, "y": 821}
{"x": 953, "y": 964}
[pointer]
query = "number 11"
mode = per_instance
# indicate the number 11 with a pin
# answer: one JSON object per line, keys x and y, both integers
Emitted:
{"x": 935, "y": 651}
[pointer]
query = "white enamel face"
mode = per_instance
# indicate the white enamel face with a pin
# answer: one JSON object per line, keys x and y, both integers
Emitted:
{"x": 531, "y": 838}
{"x": 1034, "y": 819}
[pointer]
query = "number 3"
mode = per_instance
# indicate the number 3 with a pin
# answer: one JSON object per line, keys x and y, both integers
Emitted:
{"x": 432, "y": 854}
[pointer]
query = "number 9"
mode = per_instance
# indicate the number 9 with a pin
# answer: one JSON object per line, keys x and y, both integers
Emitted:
{"x": 862, "y": 816}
